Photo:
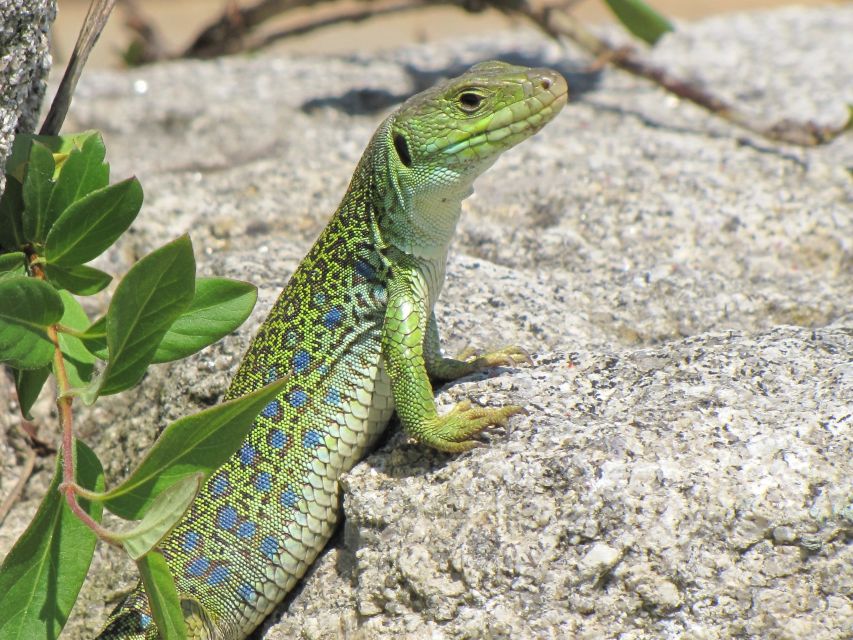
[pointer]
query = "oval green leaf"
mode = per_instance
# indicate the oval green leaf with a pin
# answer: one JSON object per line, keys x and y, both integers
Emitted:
{"x": 199, "y": 443}
{"x": 82, "y": 172}
{"x": 162, "y": 596}
{"x": 58, "y": 145}
{"x": 38, "y": 185}
{"x": 219, "y": 306}
{"x": 80, "y": 279}
{"x": 28, "y": 385}
{"x": 93, "y": 223}
{"x": 29, "y": 306}
{"x": 640, "y": 19}
{"x": 167, "y": 509}
{"x": 42, "y": 575}
{"x": 13, "y": 264}
{"x": 79, "y": 362}
{"x": 95, "y": 338}
{"x": 152, "y": 295}
{"x": 11, "y": 215}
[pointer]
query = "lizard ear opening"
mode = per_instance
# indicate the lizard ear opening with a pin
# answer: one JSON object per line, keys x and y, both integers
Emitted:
{"x": 402, "y": 148}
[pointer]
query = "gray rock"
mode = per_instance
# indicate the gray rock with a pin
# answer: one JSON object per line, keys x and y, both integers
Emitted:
{"x": 684, "y": 470}
{"x": 24, "y": 65}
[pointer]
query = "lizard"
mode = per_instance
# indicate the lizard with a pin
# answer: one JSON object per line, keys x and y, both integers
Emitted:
{"x": 354, "y": 329}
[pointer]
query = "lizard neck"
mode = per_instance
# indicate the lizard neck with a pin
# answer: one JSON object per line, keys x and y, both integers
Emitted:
{"x": 419, "y": 212}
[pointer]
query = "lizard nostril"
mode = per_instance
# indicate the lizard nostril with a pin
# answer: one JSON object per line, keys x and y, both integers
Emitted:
{"x": 546, "y": 83}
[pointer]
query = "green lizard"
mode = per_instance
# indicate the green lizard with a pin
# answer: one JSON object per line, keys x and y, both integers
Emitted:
{"x": 355, "y": 331}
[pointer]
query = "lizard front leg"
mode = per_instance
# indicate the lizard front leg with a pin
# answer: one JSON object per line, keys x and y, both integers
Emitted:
{"x": 440, "y": 367}
{"x": 403, "y": 337}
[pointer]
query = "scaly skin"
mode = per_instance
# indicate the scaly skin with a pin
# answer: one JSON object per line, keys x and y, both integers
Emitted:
{"x": 354, "y": 328}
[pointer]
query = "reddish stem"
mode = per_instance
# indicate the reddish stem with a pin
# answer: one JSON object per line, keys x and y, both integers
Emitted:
{"x": 66, "y": 417}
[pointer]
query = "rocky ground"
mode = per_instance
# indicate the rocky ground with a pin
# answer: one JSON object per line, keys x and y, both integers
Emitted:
{"x": 687, "y": 290}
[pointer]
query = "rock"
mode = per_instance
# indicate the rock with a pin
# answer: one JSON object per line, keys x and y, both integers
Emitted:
{"x": 684, "y": 470}
{"x": 24, "y": 65}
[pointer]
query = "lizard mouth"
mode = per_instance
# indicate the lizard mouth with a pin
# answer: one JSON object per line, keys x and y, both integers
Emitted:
{"x": 545, "y": 95}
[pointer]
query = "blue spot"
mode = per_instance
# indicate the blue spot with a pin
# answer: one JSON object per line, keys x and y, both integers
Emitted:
{"x": 247, "y": 529}
{"x": 301, "y": 361}
{"x": 227, "y": 517}
{"x": 247, "y": 454}
{"x": 364, "y": 269}
{"x": 219, "y": 486}
{"x": 277, "y": 439}
{"x": 272, "y": 409}
{"x": 197, "y": 567}
{"x": 312, "y": 439}
{"x": 263, "y": 482}
{"x": 289, "y": 498}
{"x": 297, "y": 398}
{"x": 332, "y": 318}
{"x": 272, "y": 374}
{"x": 246, "y": 592}
{"x": 191, "y": 540}
{"x": 145, "y": 620}
{"x": 333, "y": 397}
{"x": 269, "y": 546}
{"x": 218, "y": 575}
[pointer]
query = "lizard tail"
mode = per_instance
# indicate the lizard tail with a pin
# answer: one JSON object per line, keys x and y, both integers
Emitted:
{"x": 130, "y": 620}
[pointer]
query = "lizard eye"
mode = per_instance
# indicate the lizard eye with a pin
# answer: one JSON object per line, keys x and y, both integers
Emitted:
{"x": 469, "y": 101}
{"x": 402, "y": 148}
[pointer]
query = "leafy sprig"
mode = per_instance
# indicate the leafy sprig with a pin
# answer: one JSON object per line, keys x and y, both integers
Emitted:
{"x": 58, "y": 213}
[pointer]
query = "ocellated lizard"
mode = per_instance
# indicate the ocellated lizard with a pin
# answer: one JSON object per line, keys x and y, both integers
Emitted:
{"x": 355, "y": 331}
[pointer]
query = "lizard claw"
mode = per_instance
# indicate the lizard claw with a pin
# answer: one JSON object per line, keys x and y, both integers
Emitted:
{"x": 452, "y": 432}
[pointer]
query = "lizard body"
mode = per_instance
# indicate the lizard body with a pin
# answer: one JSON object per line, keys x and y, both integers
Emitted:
{"x": 354, "y": 330}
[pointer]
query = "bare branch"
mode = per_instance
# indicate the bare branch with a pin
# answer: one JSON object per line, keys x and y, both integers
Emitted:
{"x": 96, "y": 18}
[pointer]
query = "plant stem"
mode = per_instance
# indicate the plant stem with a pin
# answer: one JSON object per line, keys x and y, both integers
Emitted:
{"x": 68, "y": 487}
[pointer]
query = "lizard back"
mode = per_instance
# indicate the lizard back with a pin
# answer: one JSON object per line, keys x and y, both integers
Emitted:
{"x": 261, "y": 519}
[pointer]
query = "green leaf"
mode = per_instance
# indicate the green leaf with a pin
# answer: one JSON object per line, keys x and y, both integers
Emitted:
{"x": 640, "y": 19}
{"x": 13, "y": 264}
{"x": 38, "y": 186}
{"x": 58, "y": 145}
{"x": 11, "y": 215}
{"x": 29, "y": 306}
{"x": 162, "y": 596}
{"x": 152, "y": 295}
{"x": 95, "y": 338}
{"x": 82, "y": 280}
{"x": 42, "y": 575}
{"x": 199, "y": 443}
{"x": 90, "y": 225}
{"x": 28, "y": 384}
{"x": 82, "y": 172}
{"x": 167, "y": 509}
{"x": 79, "y": 363}
{"x": 219, "y": 306}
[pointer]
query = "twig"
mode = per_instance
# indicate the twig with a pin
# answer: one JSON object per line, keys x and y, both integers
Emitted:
{"x": 15, "y": 495}
{"x": 96, "y": 18}
{"x": 556, "y": 22}
{"x": 68, "y": 487}
{"x": 355, "y": 15}
{"x": 226, "y": 33}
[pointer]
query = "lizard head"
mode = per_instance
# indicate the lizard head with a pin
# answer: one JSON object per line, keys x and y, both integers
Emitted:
{"x": 457, "y": 129}
{"x": 428, "y": 153}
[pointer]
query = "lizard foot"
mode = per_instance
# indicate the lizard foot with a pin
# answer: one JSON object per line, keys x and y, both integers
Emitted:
{"x": 509, "y": 356}
{"x": 452, "y": 432}
{"x": 469, "y": 361}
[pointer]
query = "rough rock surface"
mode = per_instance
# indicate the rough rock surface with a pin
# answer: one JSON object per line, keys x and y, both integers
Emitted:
{"x": 24, "y": 64}
{"x": 685, "y": 468}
